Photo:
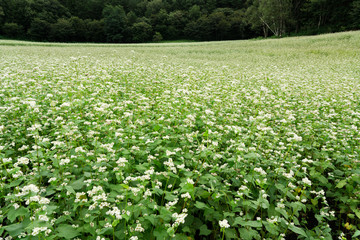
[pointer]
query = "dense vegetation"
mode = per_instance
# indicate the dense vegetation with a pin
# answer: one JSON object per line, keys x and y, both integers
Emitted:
{"x": 215, "y": 140}
{"x": 154, "y": 20}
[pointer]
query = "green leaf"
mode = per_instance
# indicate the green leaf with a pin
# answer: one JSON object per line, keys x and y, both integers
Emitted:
{"x": 356, "y": 234}
{"x": 247, "y": 234}
{"x": 124, "y": 186}
{"x": 322, "y": 179}
{"x": 240, "y": 221}
{"x": 14, "y": 213}
{"x": 70, "y": 189}
{"x": 156, "y": 128}
{"x": 271, "y": 228}
{"x": 230, "y": 233}
{"x": 341, "y": 184}
{"x": 229, "y": 214}
{"x": 357, "y": 213}
{"x": 14, "y": 183}
{"x": 67, "y": 231}
{"x": 297, "y": 230}
{"x": 188, "y": 187}
{"x": 161, "y": 234}
{"x": 204, "y": 231}
{"x": 165, "y": 214}
{"x": 78, "y": 184}
{"x": 151, "y": 218}
{"x": 17, "y": 228}
{"x": 200, "y": 205}
{"x": 314, "y": 202}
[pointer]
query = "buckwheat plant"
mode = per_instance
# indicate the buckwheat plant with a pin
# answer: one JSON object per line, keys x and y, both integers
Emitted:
{"x": 219, "y": 140}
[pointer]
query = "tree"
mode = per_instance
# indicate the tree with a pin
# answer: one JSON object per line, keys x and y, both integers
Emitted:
{"x": 239, "y": 28}
{"x": 17, "y": 11}
{"x": 157, "y": 37}
{"x": 355, "y": 13}
{"x": 153, "y": 7}
{"x": 219, "y": 24}
{"x": 253, "y": 18}
{"x": 62, "y": 31}
{"x": 177, "y": 20}
{"x": 275, "y": 14}
{"x": 39, "y": 30}
{"x": 194, "y": 12}
{"x": 13, "y": 30}
{"x": 79, "y": 28}
{"x": 95, "y": 31}
{"x": 48, "y": 10}
{"x": 141, "y": 32}
{"x": 296, "y": 13}
{"x": 115, "y": 23}
{"x": 200, "y": 29}
{"x": 160, "y": 21}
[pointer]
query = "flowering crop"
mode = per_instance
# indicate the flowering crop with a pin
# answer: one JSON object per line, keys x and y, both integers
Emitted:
{"x": 221, "y": 140}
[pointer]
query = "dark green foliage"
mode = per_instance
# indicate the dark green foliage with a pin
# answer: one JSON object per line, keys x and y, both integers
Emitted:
{"x": 141, "y": 32}
{"x": 39, "y": 29}
{"x": 13, "y": 30}
{"x": 62, "y": 31}
{"x": 95, "y": 31}
{"x": 157, "y": 37}
{"x": 115, "y": 20}
{"x": 175, "y": 19}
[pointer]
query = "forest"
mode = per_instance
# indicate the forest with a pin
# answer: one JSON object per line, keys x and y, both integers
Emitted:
{"x": 135, "y": 21}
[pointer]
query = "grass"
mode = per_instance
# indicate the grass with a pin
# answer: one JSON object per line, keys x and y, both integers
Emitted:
{"x": 212, "y": 140}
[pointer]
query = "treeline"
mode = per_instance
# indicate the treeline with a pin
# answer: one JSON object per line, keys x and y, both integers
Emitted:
{"x": 155, "y": 20}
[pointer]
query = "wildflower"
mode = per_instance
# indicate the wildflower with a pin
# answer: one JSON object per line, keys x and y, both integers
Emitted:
{"x": 224, "y": 224}
{"x": 43, "y": 218}
{"x": 179, "y": 218}
{"x": 64, "y": 161}
{"x": 289, "y": 175}
{"x": 37, "y": 230}
{"x": 260, "y": 170}
{"x": 189, "y": 181}
{"x": 23, "y": 160}
{"x": 139, "y": 228}
{"x": 306, "y": 181}
{"x": 185, "y": 195}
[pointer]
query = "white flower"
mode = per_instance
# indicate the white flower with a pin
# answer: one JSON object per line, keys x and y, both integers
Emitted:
{"x": 37, "y": 230}
{"x": 280, "y": 205}
{"x": 64, "y": 161}
{"x": 168, "y": 153}
{"x": 260, "y": 170}
{"x": 189, "y": 181}
{"x": 139, "y": 228}
{"x": 180, "y": 218}
{"x": 185, "y": 195}
{"x": 43, "y": 218}
{"x": 306, "y": 181}
{"x": 289, "y": 175}
{"x": 29, "y": 188}
{"x": 23, "y": 160}
{"x": 52, "y": 179}
{"x": 121, "y": 162}
{"x": 224, "y": 224}
{"x": 115, "y": 212}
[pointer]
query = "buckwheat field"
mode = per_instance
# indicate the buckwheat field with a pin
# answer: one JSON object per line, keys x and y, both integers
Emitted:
{"x": 256, "y": 139}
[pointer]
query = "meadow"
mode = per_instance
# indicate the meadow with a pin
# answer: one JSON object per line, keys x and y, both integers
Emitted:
{"x": 256, "y": 139}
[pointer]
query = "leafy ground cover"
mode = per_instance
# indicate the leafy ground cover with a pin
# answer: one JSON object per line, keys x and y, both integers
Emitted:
{"x": 220, "y": 140}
